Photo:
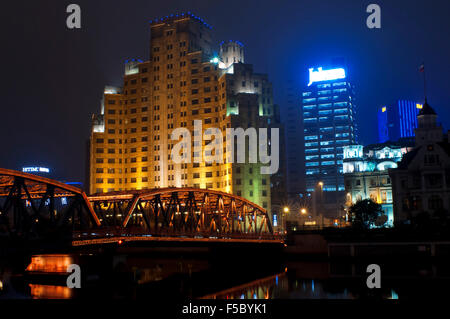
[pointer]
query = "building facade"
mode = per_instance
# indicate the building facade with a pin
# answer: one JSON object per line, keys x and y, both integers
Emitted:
{"x": 182, "y": 85}
{"x": 366, "y": 173}
{"x": 398, "y": 120}
{"x": 421, "y": 183}
{"x": 295, "y": 181}
{"x": 329, "y": 124}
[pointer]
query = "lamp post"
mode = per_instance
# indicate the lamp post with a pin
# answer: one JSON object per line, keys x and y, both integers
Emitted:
{"x": 285, "y": 211}
{"x": 320, "y": 184}
{"x": 303, "y": 212}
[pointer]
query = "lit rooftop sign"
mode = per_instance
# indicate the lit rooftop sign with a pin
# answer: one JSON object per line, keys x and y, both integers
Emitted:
{"x": 35, "y": 170}
{"x": 325, "y": 75}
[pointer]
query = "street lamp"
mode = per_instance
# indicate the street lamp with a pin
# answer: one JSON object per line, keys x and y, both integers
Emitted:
{"x": 285, "y": 211}
{"x": 321, "y": 200}
{"x": 303, "y": 211}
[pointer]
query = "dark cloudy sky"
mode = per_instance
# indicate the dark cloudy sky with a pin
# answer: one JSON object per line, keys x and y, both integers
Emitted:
{"x": 52, "y": 77}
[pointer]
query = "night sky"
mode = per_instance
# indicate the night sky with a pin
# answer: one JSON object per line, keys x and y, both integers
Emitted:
{"x": 53, "y": 77}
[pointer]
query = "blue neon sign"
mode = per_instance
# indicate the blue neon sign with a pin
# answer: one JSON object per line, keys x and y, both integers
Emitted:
{"x": 325, "y": 75}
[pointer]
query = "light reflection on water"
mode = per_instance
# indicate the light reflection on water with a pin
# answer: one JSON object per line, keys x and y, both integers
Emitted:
{"x": 299, "y": 280}
{"x": 50, "y": 292}
{"x": 280, "y": 287}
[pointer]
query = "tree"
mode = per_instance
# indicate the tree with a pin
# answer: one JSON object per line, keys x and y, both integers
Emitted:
{"x": 364, "y": 213}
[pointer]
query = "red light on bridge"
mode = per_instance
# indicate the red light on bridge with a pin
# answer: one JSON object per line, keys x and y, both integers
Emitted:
{"x": 120, "y": 242}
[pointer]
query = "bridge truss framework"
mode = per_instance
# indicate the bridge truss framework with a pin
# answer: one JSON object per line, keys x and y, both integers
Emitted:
{"x": 31, "y": 205}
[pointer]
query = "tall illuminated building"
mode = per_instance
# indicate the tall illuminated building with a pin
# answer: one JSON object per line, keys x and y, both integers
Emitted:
{"x": 183, "y": 81}
{"x": 398, "y": 120}
{"x": 329, "y": 124}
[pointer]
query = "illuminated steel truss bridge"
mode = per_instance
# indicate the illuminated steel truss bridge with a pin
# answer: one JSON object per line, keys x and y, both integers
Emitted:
{"x": 32, "y": 206}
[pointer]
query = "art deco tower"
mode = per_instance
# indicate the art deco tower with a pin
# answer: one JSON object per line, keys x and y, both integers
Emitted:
{"x": 183, "y": 81}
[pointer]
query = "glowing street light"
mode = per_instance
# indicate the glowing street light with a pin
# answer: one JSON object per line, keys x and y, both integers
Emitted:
{"x": 286, "y": 209}
{"x": 303, "y": 211}
{"x": 215, "y": 60}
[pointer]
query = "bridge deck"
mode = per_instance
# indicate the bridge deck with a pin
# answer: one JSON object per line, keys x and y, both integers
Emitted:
{"x": 122, "y": 239}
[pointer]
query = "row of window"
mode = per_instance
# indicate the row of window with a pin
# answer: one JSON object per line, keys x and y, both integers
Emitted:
{"x": 324, "y": 163}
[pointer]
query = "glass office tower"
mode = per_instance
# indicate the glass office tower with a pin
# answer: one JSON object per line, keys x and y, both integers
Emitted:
{"x": 398, "y": 120}
{"x": 329, "y": 125}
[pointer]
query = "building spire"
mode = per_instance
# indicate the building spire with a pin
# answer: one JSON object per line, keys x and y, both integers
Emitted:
{"x": 422, "y": 70}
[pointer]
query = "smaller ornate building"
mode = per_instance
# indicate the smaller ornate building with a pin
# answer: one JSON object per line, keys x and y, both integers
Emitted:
{"x": 366, "y": 173}
{"x": 421, "y": 183}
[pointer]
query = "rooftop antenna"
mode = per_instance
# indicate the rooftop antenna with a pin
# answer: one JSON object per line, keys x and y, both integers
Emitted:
{"x": 422, "y": 70}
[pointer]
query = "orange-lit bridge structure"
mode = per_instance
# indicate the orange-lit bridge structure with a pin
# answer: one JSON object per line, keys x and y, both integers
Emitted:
{"x": 32, "y": 207}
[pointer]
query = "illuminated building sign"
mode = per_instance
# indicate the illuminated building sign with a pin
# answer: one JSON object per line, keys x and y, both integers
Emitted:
{"x": 35, "y": 170}
{"x": 325, "y": 75}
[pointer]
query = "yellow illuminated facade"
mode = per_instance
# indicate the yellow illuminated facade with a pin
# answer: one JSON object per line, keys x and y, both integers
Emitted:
{"x": 183, "y": 81}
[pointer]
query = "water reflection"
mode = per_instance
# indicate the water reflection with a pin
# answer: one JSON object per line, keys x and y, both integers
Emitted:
{"x": 258, "y": 289}
{"x": 128, "y": 276}
{"x": 330, "y": 280}
{"x": 50, "y": 292}
{"x": 280, "y": 286}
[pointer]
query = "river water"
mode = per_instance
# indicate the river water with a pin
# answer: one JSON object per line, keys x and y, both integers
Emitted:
{"x": 136, "y": 277}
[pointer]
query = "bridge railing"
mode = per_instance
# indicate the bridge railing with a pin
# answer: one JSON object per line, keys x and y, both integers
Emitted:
{"x": 125, "y": 233}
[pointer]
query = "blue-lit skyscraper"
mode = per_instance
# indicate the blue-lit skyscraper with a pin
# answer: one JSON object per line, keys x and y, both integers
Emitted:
{"x": 397, "y": 121}
{"x": 329, "y": 125}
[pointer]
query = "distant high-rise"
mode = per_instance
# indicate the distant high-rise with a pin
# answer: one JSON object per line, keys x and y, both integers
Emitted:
{"x": 398, "y": 120}
{"x": 294, "y": 142}
{"x": 329, "y": 125}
